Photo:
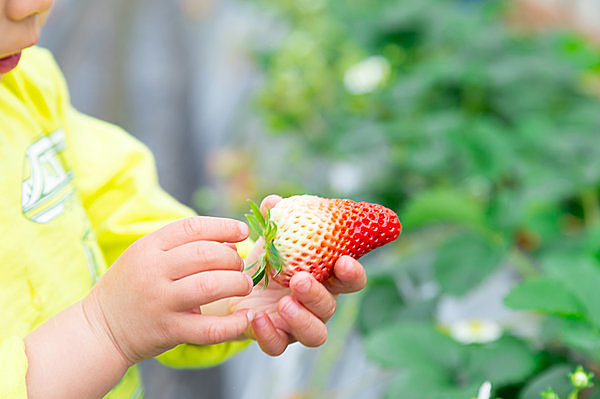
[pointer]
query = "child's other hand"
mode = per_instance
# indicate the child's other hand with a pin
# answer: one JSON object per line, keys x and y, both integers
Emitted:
{"x": 149, "y": 300}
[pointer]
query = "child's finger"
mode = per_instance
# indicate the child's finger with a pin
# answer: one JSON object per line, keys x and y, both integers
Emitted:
{"x": 306, "y": 327}
{"x": 199, "y": 228}
{"x": 202, "y": 288}
{"x": 272, "y": 340}
{"x": 206, "y": 330}
{"x": 199, "y": 256}
{"x": 269, "y": 202}
{"x": 349, "y": 276}
{"x": 314, "y": 296}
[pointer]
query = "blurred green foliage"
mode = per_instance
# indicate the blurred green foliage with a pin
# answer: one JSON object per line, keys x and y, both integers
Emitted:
{"x": 485, "y": 140}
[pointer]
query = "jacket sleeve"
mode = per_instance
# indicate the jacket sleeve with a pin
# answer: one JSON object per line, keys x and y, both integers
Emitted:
{"x": 117, "y": 182}
{"x": 13, "y": 368}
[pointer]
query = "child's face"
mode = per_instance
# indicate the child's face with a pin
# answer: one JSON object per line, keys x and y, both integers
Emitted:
{"x": 20, "y": 25}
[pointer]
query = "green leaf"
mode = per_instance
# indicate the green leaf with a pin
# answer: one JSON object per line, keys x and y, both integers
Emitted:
{"x": 414, "y": 345}
{"x": 582, "y": 336}
{"x": 263, "y": 226}
{"x": 436, "y": 365}
{"x": 273, "y": 257}
{"x": 579, "y": 335}
{"x": 556, "y": 377}
{"x": 505, "y": 361}
{"x": 251, "y": 266}
{"x": 464, "y": 261}
{"x": 581, "y": 274}
{"x": 544, "y": 295}
{"x": 259, "y": 275}
{"x": 257, "y": 213}
{"x": 442, "y": 206}
{"x": 266, "y": 277}
{"x": 427, "y": 384}
{"x": 254, "y": 225}
{"x": 380, "y": 304}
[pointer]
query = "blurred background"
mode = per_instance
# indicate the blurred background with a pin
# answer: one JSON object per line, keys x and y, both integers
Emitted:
{"x": 477, "y": 121}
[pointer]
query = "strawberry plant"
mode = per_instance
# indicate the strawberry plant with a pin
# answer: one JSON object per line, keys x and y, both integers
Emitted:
{"x": 483, "y": 138}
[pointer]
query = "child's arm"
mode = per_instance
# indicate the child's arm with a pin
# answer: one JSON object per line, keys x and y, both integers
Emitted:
{"x": 70, "y": 356}
{"x": 146, "y": 303}
{"x": 118, "y": 186}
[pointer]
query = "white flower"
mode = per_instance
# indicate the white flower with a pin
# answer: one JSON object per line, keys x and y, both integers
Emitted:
{"x": 475, "y": 331}
{"x": 485, "y": 390}
{"x": 367, "y": 75}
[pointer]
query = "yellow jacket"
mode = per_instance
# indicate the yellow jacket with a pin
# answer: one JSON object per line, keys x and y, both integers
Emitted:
{"x": 75, "y": 192}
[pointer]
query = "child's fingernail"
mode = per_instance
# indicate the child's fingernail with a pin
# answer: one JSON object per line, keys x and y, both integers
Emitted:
{"x": 250, "y": 315}
{"x": 260, "y": 321}
{"x": 303, "y": 285}
{"x": 243, "y": 229}
{"x": 346, "y": 264}
{"x": 250, "y": 282}
{"x": 290, "y": 308}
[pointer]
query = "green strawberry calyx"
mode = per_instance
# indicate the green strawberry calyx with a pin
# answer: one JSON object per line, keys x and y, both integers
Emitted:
{"x": 266, "y": 228}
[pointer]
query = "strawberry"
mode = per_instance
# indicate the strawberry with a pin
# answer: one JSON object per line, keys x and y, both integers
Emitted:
{"x": 309, "y": 233}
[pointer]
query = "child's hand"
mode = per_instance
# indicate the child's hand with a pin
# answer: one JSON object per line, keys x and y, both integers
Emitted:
{"x": 284, "y": 315}
{"x": 149, "y": 300}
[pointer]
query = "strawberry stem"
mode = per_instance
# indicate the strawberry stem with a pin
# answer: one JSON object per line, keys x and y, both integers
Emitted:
{"x": 264, "y": 227}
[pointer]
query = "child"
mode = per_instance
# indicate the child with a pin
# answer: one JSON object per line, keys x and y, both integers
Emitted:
{"x": 78, "y": 195}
